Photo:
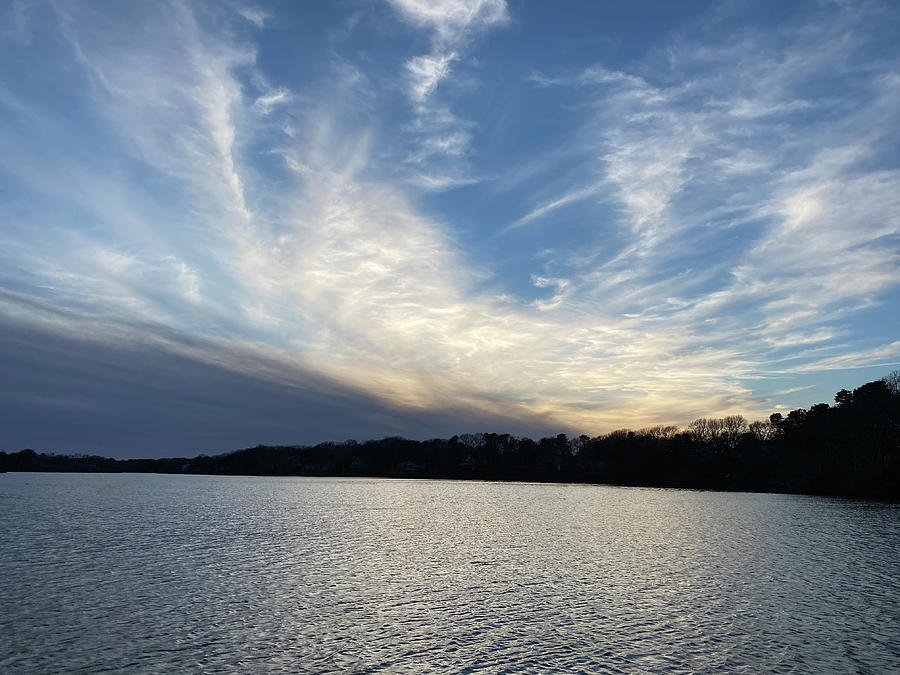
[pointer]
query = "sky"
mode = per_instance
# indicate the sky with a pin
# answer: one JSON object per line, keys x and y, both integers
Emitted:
{"x": 225, "y": 223}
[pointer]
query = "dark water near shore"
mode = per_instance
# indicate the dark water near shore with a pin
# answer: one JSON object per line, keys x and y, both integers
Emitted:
{"x": 151, "y": 573}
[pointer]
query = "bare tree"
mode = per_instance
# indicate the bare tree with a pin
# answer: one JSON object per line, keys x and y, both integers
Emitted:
{"x": 700, "y": 429}
{"x": 764, "y": 430}
{"x": 892, "y": 380}
{"x": 662, "y": 432}
{"x": 733, "y": 427}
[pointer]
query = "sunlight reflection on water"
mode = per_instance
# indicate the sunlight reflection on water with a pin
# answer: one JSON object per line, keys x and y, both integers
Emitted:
{"x": 203, "y": 573}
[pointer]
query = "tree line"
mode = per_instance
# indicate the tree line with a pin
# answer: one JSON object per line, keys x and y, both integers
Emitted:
{"x": 850, "y": 448}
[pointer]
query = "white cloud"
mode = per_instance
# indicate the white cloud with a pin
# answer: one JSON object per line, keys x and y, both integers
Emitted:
{"x": 452, "y": 24}
{"x": 337, "y": 270}
{"x": 439, "y": 182}
{"x": 548, "y": 207}
{"x": 813, "y": 224}
{"x": 255, "y": 15}
{"x": 883, "y": 355}
{"x": 454, "y": 144}
{"x": 452, "y": 20}
{"x": 426, "y": 72}
{"x": 269, "y": 100}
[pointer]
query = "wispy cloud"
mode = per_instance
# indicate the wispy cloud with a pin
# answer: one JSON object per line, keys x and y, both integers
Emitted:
{"x": 269, "y": 100}
{"x": 453, "y": 21}
{"x": 733, "y": 218}
{"x": 17, "y": 23}
{"x": 255, "y": 15}
{"x": 542, "y": 210}
{"x": 883, "y": 355}
{"x": 427, "y": 72}
{"x": 452, "y": 24}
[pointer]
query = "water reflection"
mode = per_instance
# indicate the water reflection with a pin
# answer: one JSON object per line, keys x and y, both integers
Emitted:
{"x": 290, "y": 574}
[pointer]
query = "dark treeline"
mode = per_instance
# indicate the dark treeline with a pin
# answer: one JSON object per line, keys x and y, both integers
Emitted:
{"x": 850, "y": 448}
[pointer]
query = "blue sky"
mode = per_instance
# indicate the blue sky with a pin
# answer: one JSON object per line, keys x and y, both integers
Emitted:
{"x": 427, "y": 217}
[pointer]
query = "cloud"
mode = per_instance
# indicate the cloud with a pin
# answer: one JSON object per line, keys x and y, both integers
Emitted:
{"x": 884, "y": 355}
{"x": 452, "y": 24}
{"x": 658, "y": 142}
{"x": 18, "y": 22}
{"x": 426, "y": 72}
{"x": 452, "y": 20}
{"x": 454, "y": 144}
{"x": 560, "y": 285}
{"x": 723, "y": 237}
{"x": 269, "y": 100}
{"x": 255, "y": 15}
{"x": 810, "y": 217}
{"x": 548, "y": 207}
{"x": 439, "y": 182}
{"x": 136, "y": 398}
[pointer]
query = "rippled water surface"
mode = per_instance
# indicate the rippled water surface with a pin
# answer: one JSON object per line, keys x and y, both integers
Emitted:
{"x": 151, "y": 573}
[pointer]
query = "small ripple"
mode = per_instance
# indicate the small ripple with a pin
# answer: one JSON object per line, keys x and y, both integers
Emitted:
{"x": 173, "y": 573}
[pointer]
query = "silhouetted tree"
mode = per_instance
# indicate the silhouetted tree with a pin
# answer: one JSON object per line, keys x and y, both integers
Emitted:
{"x": 851, "y": 448}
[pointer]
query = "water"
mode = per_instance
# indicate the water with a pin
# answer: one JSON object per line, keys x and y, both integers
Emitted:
{"x": 151, "y": 573}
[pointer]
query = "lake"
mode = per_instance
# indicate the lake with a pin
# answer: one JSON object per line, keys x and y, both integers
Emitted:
{"x": 158, "y": 573}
